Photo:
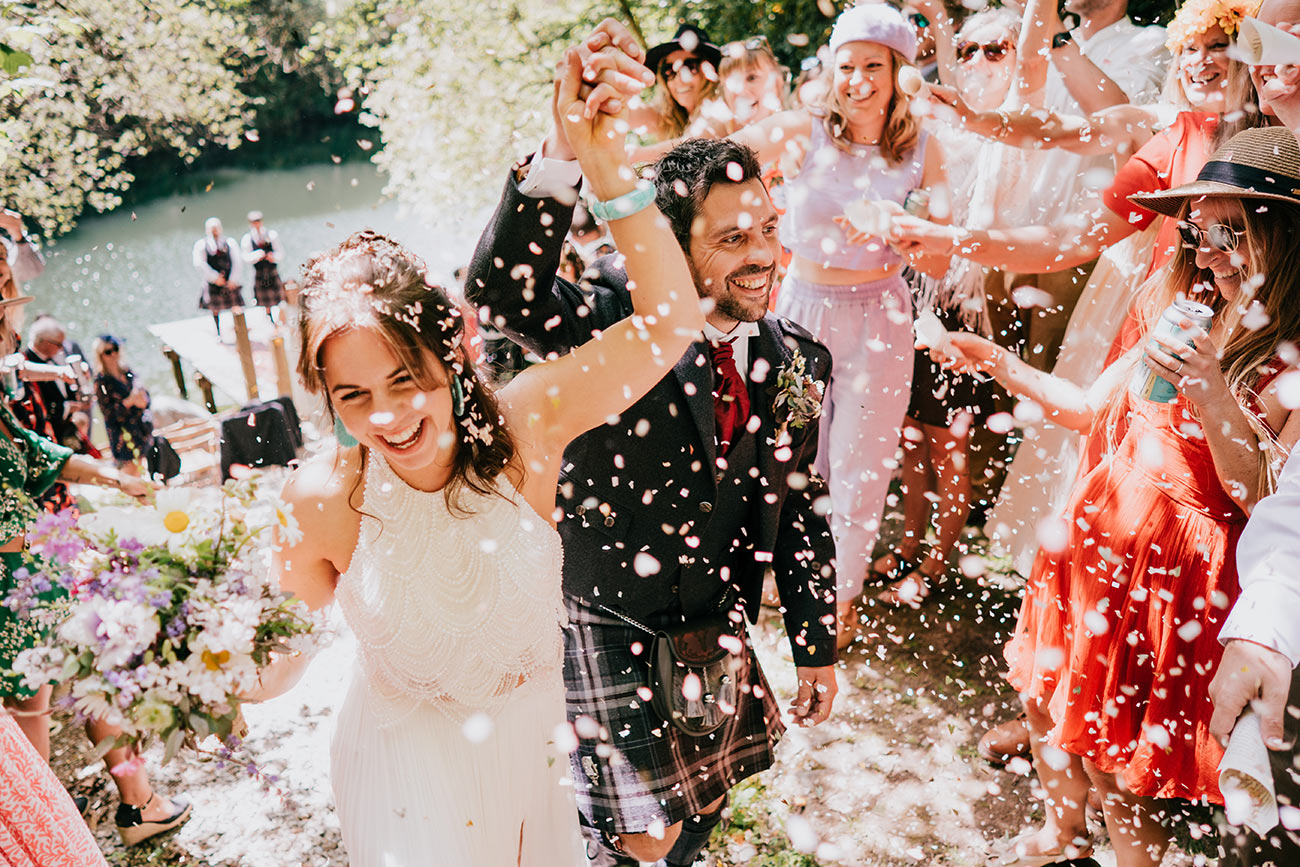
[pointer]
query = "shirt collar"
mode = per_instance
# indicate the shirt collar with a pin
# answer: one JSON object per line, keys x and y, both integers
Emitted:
{"x": 716, "y": 335}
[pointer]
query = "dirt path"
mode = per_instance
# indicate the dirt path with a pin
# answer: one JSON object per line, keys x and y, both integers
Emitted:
{"x": 891, "y": 779}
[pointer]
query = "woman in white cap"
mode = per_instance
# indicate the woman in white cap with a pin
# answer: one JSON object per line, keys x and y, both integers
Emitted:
{"x": 845, "y": 285}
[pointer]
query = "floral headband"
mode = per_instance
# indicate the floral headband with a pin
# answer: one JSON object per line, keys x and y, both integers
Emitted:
{"x": 1197, "y": 16}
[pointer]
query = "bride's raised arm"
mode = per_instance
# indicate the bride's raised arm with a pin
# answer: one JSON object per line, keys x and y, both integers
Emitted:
{"x": 554, "y": 402}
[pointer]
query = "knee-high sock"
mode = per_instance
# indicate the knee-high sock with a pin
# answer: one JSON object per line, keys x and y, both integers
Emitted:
{"x": 694, "y": 837}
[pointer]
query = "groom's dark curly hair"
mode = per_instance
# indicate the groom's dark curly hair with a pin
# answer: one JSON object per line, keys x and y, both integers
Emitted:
{"x": 684, "y": 176}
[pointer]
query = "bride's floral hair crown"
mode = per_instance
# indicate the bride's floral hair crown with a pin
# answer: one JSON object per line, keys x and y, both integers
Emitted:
{"x": 371, "y": 281}
{"x": 1197, "y": 16}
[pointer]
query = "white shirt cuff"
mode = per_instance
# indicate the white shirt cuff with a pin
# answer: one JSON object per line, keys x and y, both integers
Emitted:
{"x": 550, "y": 178}
{"x": 1266, "y": 613}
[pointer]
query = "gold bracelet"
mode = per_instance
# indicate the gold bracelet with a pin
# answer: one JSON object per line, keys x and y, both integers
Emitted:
{"x": 1004, "y": 125}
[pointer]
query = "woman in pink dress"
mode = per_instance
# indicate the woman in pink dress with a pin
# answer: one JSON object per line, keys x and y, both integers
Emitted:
{"x": 39, "y": 824}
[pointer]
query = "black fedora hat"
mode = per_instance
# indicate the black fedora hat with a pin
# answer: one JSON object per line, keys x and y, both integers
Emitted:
{"x": 1255, "y": 164}
{"x": 688, "y": 38}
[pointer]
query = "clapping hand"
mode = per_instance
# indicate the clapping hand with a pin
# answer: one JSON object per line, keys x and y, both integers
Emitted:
{"x": 12, "y": 223}
{"x": 912, "y": 236}
{"x": 1193, "y": 369}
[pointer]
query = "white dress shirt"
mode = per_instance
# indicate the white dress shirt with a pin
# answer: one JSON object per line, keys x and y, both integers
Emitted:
{"x": 1268, "y": 563}
{"x": 252, "y": 255}
{"x": 205, "y": 245}
{"x": 739, "y": 337}
{"x": 1135, "y": 59}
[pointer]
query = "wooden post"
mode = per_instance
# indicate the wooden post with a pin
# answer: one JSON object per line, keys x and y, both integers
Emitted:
{"x": 245, "y": 348}
{"x": 177, "y": 372}
{"x": 205, "y": 388}
{"x": 283, "y": 378}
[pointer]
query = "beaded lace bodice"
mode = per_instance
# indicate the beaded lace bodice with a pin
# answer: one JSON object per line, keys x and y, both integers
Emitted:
{"x": 450, "y": 610}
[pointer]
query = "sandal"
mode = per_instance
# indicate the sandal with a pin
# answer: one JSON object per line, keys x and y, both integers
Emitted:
{"x": 135, "y": 829}
{"x": 1076, "y": 854}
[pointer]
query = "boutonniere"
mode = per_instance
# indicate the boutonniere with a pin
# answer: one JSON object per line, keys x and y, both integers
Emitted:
{"x": 798, "y": 398}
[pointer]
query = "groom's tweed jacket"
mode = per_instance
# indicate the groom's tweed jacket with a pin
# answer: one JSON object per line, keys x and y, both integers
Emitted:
{"x": 645, "y": 482}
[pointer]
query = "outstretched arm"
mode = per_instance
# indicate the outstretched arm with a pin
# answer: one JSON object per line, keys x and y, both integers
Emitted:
{"x": 1026, "y": 249}
{"x": 563, "y": 398}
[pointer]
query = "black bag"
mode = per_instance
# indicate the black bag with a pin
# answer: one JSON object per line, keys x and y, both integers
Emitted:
{"x": 693, "y": 675}
{"x": 693, "y": 670}
{"x": 162, "y": 459}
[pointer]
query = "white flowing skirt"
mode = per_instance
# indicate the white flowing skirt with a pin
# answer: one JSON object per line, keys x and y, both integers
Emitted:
{"x": 418, "y": 791}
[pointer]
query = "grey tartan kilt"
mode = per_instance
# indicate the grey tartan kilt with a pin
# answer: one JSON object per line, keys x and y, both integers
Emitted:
{"x": 640, "y": 768}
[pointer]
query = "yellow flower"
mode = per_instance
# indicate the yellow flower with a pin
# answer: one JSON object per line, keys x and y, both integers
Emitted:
{"x": 214, "y": 661}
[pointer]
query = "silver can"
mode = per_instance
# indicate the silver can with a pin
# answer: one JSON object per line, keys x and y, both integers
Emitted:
{"x": 1149, "y": 385}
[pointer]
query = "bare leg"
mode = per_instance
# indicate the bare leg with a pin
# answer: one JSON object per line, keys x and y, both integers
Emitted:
{"x": 1137, "y": 836}
{"x": 33, "y": 718}
{"x": 132, "y": 780}
{"x": 918, "y": 482}
{"x": 1065, "y": 788}
{"x": 949, "y": 457}
{"x": 650, "y": 849}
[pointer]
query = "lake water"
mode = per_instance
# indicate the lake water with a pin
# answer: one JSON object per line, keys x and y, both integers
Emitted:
{"x": 122, "y": 271}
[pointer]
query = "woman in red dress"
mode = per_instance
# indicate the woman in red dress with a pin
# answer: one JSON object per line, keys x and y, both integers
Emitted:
{"x": 1117, "y": 638}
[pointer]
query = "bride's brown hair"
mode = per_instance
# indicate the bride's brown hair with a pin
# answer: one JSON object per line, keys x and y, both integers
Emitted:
{"x": 370, "y": 281}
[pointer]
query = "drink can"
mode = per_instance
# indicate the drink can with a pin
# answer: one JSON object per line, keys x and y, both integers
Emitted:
{"x": 9, "y": 376}
{"x": 1146, "y": 383}
{"x": 917, "y": 203}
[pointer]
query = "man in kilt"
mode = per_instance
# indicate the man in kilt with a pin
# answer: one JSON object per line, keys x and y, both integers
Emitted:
{"x": 216, "y": 258}
{"x": 261, "y": 247}
{"x": 672, "y": 514}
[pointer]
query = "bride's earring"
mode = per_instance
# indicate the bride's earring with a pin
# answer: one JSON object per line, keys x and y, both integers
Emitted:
{"x": 457, "y": 397}
{"x": 341, "y": 434}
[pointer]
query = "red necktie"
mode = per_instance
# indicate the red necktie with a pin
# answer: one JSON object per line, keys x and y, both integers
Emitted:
{"x": 730, "y": 397}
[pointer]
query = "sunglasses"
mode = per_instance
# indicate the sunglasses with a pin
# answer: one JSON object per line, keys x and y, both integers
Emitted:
{"x": 757, "y": 43}
{"x": 670, "y": 71}
{"x": 993, "y": 51}
{"x": 1222, "y": 238}
{"x": 110, "y": 350}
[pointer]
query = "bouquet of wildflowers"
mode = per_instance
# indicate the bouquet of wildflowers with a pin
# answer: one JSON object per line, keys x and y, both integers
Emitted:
{"x": 171, "y": 611}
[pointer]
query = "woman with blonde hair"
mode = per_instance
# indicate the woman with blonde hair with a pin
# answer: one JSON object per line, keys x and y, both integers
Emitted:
{"x": 1117, "y": 639}
{"x": 685, "y": 86}
{"x": 753, "y": 82}
{"x": 862, "y": 149}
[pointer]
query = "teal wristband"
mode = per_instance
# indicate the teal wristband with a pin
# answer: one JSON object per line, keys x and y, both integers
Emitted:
{"x": 625, "y": 205}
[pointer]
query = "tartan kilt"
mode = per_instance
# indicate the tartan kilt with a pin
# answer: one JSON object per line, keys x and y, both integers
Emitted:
{"x": 268, "y": 290}
{"x": 641, "y": 768}
{"x": 219, "y": 298}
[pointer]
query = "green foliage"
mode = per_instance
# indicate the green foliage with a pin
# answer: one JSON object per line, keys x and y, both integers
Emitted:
{"x": 109, "y": 81}
{"x": 752, "y": 833}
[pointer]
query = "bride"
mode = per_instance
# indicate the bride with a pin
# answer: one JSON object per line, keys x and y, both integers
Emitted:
{"x": 435, "y": 534}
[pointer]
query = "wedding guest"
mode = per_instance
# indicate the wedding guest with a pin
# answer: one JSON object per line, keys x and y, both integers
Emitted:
{"x": 685, "y": 72}
{"x": 261, "y": 247}
{"x": 125, "y": 405}
{"x": 21, "y": 261}
{"x": 945, "y": 408}
{"x": 436, "y": 532}
{"x": 1117, "y": 638}
{"x": 216, "y": 258}
{"x": 58, "y": 399}
{"x": 1279, "y": 86}
{"x": 29, "y": 464}
{"x": 1211, "y": 92}
{"x": 39, "y": 824}
{"x": 704, "y": 453}
{"x": 754, "y": 84}
{"x": 1261, "y": 651}
{"x": 844, "y": 285}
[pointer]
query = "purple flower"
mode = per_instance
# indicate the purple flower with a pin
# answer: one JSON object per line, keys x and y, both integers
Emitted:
{"x": 176, "y": 628}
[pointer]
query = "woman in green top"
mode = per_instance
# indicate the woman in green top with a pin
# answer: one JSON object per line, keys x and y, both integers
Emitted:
{"x": 29, "y": 464}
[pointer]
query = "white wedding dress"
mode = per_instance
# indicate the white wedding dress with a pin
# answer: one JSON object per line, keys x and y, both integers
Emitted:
{"x": 445, "y": 750}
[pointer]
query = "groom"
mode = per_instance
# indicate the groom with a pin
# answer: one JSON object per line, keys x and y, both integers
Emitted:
{"x": 673, "y": 512}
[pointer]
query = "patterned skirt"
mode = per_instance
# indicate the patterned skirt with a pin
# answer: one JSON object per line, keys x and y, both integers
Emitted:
{"x": 640, "y": 769}
{"x": 268, "y": 290}
{"x": 218, "y": 298}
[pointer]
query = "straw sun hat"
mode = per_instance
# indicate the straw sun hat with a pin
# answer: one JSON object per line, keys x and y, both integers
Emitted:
{"x": 1255, "y": 164}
